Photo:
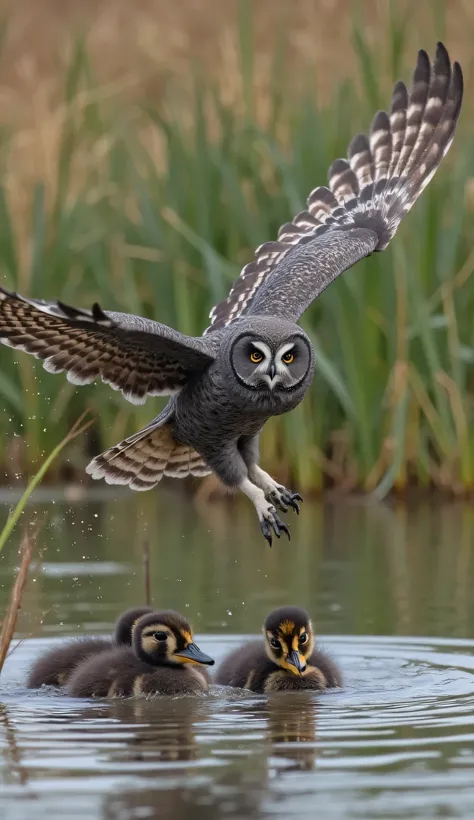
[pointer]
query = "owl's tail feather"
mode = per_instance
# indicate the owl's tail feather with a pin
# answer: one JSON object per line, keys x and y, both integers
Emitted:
{"x": 386, "y": 172}
{"x": 143, "y": 459}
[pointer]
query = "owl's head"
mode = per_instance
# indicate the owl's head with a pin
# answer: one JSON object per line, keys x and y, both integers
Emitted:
{"x": 271, "y": 355}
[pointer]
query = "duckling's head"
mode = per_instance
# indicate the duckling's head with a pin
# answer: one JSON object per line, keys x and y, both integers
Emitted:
{"x": 126, "y": 622}
{"x": 289, "y": 638}
{"x": 165, "y": 638}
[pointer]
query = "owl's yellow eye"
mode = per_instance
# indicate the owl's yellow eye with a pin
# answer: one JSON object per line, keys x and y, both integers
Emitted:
{"x": 256, "y": 357}
{"x": 287, "y": 358}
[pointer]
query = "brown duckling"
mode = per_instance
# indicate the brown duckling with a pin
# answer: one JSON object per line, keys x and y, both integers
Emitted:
{"x": 285, "y": 660}
{"x": 56, "y": 665}
{"x": 161, "y": 661}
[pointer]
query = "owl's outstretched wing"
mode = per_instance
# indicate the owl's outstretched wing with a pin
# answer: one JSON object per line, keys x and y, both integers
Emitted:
{"x": 360, "y": 211}
{"x": 137, "y": 356}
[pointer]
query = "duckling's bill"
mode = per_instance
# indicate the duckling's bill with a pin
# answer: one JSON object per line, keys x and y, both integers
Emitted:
{"x": 294, "y": 662}
{"x": 192, "y": 654}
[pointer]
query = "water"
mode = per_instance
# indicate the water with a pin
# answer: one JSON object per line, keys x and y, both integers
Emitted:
{"x": 397, "y": 741}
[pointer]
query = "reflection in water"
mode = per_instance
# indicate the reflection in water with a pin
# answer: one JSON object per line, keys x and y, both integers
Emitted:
{"x": 163, "y": 732}
{"x": 397, "y": 741}
{"x": 405, "y": 716}
{"x": 292, "y": 730}
{"x": 287, "y": 743}
{"x": 163, "y": 729}
{"x": 13, "y": 765}
{"x": 357, "y": 567}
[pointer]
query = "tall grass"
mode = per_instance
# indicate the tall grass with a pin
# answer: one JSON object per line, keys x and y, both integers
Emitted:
{"x": 155, "y": 210}
{"x": 28, "y": 540}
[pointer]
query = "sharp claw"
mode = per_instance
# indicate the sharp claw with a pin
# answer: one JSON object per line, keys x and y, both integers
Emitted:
{"x": 274, "y": 521}
{"x": 284, "y": 528}
{"x": 266, "y": 531}
{"x": 283, "y": 498}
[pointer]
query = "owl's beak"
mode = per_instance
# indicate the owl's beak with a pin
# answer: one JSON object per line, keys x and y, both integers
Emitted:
{"x": 271, "y": 381}
{"x": 271, "y": 376}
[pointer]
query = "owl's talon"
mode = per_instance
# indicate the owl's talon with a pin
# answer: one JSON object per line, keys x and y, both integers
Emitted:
{"x": 295, "y": 497}
{"x": 277, "y": 525}
{"x": 283, "y": 498}
{"x": 294, "y": 506}
{"x": 266, "y": 531}
{"x": 271, "y": 525}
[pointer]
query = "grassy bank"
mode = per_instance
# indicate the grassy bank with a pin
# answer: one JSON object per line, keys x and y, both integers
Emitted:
{"x": 151, "y": 203}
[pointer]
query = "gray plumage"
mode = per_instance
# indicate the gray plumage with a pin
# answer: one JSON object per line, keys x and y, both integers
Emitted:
{"x": 219, "y": 403}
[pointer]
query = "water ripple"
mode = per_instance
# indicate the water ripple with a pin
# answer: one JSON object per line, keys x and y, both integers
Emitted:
{"x": 397, "y": 741}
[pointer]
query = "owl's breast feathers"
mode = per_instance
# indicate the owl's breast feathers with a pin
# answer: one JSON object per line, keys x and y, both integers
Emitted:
{"x": 213, "y": 409}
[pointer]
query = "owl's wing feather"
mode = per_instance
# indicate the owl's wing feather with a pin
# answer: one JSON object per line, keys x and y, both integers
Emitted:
{"x": 368, "y": 195}
{"x": 137, "y": 356}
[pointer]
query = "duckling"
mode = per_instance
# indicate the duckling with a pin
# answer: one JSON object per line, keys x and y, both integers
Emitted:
{"x": 159, "y": 662}
{"x": 56, "y": 665}
{"x": 285, "y": 660}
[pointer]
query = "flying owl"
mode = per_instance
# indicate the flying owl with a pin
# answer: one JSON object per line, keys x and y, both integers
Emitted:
{"x": 253, "y": 361}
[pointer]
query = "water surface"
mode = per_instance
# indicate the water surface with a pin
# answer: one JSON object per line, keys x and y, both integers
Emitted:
{"x": 397, "y": 741}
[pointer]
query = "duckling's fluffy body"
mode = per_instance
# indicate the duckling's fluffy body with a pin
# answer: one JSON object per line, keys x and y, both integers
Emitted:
{"x": 249, "y": 667}
{"x": 55, "y": 666}
{"x": 162, "y": 660}
{"x": 119, "y": 673}
{"x": 291, "y": 666}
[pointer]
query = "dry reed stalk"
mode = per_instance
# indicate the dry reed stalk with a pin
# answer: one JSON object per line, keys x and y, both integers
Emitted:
{"x": 27, "y": 545}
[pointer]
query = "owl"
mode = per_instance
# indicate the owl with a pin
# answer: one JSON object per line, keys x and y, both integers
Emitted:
{"x": 254, "y": 361}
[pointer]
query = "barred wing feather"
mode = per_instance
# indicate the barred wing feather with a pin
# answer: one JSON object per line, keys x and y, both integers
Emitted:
{"x": 137, "y": 356}
{"x": 368, "y": 195}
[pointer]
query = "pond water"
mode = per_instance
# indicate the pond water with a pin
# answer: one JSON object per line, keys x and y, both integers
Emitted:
{"x": 389, "y": 591}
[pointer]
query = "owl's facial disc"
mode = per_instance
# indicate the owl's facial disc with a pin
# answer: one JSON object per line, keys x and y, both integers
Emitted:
{"x": 262, "y": 366}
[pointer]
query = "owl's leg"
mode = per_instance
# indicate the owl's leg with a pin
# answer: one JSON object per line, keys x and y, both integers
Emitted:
{"x": 267, "y": 514}
{"x": 230, "y": 465}
{"x": 277, "y": 494}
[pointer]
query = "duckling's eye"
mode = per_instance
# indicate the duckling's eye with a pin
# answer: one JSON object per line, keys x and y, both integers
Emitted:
{"x": 275, "y": 643}
{"x": 303, "y": 638}
{"x": 287, "y": 358}
{"x": 256, "y": 356}
{"x": 160, "y": 636}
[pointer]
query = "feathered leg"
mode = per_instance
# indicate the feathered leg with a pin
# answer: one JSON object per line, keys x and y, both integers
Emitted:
{"x": 267, "y": 514}
{"x": 275, "y": 494}
{"x": 230, "y": 466}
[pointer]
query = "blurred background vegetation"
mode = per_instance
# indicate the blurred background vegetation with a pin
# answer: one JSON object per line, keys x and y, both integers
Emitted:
{"x": 147, "y": 148}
